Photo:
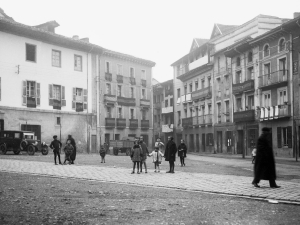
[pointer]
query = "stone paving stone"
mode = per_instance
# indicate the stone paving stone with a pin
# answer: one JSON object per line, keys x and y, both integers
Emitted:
{"x": 223, "y": 184}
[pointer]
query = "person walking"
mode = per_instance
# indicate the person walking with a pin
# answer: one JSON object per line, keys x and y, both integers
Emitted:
{"x": 264, "y": 165}
{"x": 56, "y": 145}
{"x": 73, "y": 143}
{"x": 145, "y": 152}
{"x": 136, "y": 156}
{"x": 170, "y": 154}
{"x": 157, "y": 158}
{"x": 182, "y": 149}
{"x": 102, "y": 154}
{"x": 68, "y": 152}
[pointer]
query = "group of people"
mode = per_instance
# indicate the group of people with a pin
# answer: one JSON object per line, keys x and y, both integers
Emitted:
{"x": 140, "y": 152}
{"x": 69, "y": 149}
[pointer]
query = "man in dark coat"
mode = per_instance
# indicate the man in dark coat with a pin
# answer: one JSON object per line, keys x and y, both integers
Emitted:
{"x": 170, "y": 154}
{"x": 56, "y": 145}
{"x": 145, "y": 152}
{"x": 73, "y": 143}
{"x": 264, "y": 167}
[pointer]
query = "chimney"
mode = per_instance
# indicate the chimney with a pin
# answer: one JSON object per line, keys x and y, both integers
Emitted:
{"x": 75, "y": 37}
{"x": 296, "y": 14}
{"x": 85, "y": 39}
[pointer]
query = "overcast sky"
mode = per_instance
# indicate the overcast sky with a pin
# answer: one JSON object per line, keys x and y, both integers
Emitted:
{"x": 158, "y": 30}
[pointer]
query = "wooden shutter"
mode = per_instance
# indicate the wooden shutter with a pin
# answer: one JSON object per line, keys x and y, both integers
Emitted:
{"x": 63, "y": 96}
{"x": 290, "y": 136}
{"x": 74, "y": 98}
{"x": 24, "y": 94}
{"x": 279, "y": 142}
{"x": 38, "y": 94}
{"x": 85, "y": 99}
{"x": 51, "y": 94}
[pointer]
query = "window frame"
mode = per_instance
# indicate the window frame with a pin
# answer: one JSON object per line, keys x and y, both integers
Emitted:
{"x": 57, "y": 51}
{"x": 35, "y": 52}
{"x": 284, "y": 43}
{"x": 266, "y": 45}
{"x": 120, "y": 69}
{"x": 75, "y": 61}
{"x": 270, "y": 99}
{"x": 130, "y": 72}
{"x": 284, "y": 98}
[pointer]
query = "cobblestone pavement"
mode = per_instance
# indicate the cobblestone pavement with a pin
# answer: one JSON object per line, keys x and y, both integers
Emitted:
{"x": 211, "y": 183}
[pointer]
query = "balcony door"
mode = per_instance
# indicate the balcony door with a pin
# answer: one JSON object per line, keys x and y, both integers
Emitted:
{"x": 229, "y": 141}
{"x": 219, "y": 142}
{"x": 197, "y": 143}
{"x": 240, "y": 142}
{"x": 203, "y": 142}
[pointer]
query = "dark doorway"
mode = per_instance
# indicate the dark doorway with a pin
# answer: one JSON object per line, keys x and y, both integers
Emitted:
{"x": 107, "y": 138}
{"x": 34, "y": 128}
{"x": 219, "y": 142}
{"x": 197, "y": 143}
{"x": 1, "y": 125}
{"x": 240, "y": 142}
{"x": 203, "y": 142}
{"x": 94, "y": 144}
{"x": 191, "y": 143}
{"x": 229, "y": 141}
{"x": 117, "y": 137}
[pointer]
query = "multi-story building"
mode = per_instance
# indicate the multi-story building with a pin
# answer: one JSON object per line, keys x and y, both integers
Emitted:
{"x": 45, "y": 81}
{"x": 163, "y": 110}
{"x": 126, "y": 97}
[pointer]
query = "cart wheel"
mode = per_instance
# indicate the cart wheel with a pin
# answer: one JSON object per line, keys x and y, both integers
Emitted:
{"x": 3, "y": 148}
{"x": 30, "y": 150}
{"x": 45, "y": 150}
{"x": 128, "y": 152}
{"x": 17, "y": 151}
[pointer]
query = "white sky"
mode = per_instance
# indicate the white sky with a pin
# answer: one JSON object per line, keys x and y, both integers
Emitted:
{"x": 158, "y": 30}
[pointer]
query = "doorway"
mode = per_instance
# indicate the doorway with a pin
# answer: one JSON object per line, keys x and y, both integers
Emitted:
{"x": 192, "y": 147}
{"x": 219, "y": 142}
{"x": 197, "y": 143}
{"x": 94, "y": 144}
{"x": 203, "y": 142}
{"x": 229, "y": 140}
{"x": 107, "y": 139}
{"x": 240, "y": 142}
{"x": 1, "y": 125}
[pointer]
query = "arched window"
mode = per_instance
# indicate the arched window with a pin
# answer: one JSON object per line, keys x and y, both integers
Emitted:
{"x": 238, "y": 61}
{"x": 266, "y": 50}
{"x": 250, "y": 57}
{"x": 281, "y": 45}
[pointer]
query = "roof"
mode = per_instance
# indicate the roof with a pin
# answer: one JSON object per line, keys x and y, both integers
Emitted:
{"x": 221, "y": 29}
{"x": 197, "y": 42}
{"x": 52, "y": 23}
{"x": 3, "y": 14}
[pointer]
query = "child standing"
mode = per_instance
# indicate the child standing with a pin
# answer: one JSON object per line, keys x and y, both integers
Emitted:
{"x": 68, "y": 152}
{"x": 157, "y": 158}
{"x": 136, "y": 156}
{"x": 102, "y": 154}
{"x": 159, "y": 144}
{"x": 253, "y": 155}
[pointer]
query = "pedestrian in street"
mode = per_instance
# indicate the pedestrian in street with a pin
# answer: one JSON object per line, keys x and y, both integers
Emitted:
{"x": 145, "y": 152}
{"x": 136, "y": 156}
{"x": 73, "y": 143}
{"x": 182, "y": 149}
{"x": 102, "y": 154}
{"x": 159, "y": 144}
{"x": 264, "y": 165}
{"x": 68, "y": 152}
{"x": 157, "y": 158}
{"x": 253, "y": 155}
{"x": 170, "y": 154}
{"x": 56, "y": 145}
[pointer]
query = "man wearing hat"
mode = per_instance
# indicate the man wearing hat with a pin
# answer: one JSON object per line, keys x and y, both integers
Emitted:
{"x": 56, "y": 145}
{"x": 264, "y": 166}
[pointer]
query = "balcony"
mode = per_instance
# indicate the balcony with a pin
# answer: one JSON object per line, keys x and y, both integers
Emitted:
{"x": 178, "y": 101}
{"x": 108, "y": 76}
{"x": 133, "y": 123}
{"x": 201, "y": 120}
{"x": 110, "y": 122}
{"x": 187, "y": 122}
{"x": 157, "y": 105}
{"x": 126, "y": 101}
{"x": 219, "y": 119}
{"x": 145, "y": 103}
{"x": 110, "y": 99}
{"x": 275, "y": 79}
{"x": 222, "y": 71}
{"x": 275, "y": 112}
{"x": 244, "y": 116}
{"x": 119, "y": 78}
{"x": 121, "y": 123}
{"x": 243, "y": 87}
{"x": 199, "y": 62}
{"x": 183, "y": 99}
{"x": 145, "y": 124}
{"x": 208, "y": 119}
{"x": 167, "y": 128}
{"x": 132, "y": 81}
{"x": 143, "y": 82}
{"x": 169, "y": 91}
{"x": 183, "y": 70}
{"x": 188, "y": 97}
{"x": 227, "y": 117}
{"x": 195, "y": 121}
{"x": 201, "y": 94}
{"x": 166, "y": 110}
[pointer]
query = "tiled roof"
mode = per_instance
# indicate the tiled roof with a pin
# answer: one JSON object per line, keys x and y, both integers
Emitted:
{"x": 201, "y": 41}
{"x": 225, "y": 28}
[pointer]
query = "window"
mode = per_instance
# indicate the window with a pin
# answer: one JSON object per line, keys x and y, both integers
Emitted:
{"x": 209, "y": 109}
{"x": 143, "y": 94}
{"x": 155, "y": 119}
{"x": 131, "y": 92}
{"x": 31, "y": 94}
{"x": 56, "y": 58}
{"x": 132, "y": 114}
{"x": 218, "y": 84}
{"x": 132, "y": 72}
{"x": 119, "y": 69}
{"x": 108, "y": 88}
{"x": 120, "y": 115}
{"x": 209, "y": 139}
{"x": 171, "y": 102}
{"x": 218, "y": 64}
{"x": 58, "y": 121}
{"x": 239, "y": 105}
{"x": 166, "y": 103}
{"x": 107, "y": 67}
{"x": 185, "y": 90}
{"x": 119, "y": 91}
{"x": 250, "y": 57}
{"x": 282, "y": 96}
{"x": 179, "y": 117}
{"x": 250, "y": 74}
{"x": 202, "y": 83}
{"x": 143, "y": 75}
{"x": 284, "y": 137}
{"x": 238, "y": 77}
{"x": 281, "y": 45}
{"x": 108, "y": 112}
{"x": 250, "y": 102}
{"x": 30, "y": 53}
{"x": 226, "y": 78}
{"x": 282, "y": 66}
{"x": 191, "y": 87}
{"x": 56, "y": 92}
{"x": 79, "y": 102}
{"x": 185, "y": 113}
{"x": 77, "y": 63}
{"x": 266, "y": 50}
{"x": 267, "y": 99}
{"x": 196, "y": 85}
{"x": 144, "y": 114}
{"x": 209, "y": 81}
{"x": 219, "y": 109}
{"x": 238, "y": 62}
{"x": 178, "y": 92}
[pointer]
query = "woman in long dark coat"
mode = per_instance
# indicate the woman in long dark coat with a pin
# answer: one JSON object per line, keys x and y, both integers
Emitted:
{"x": 73, "y": 143}
{"x": 264, "y": 167}
{"x": 170, "y": 154}
{"x": 182, "y": 149}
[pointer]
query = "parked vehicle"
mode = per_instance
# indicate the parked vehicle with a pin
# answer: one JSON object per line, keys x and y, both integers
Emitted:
{"x": 122, "y": 146}
{"x": 17, "y": 141}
